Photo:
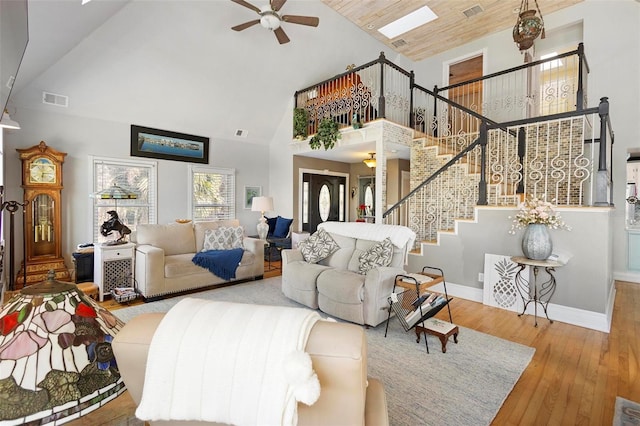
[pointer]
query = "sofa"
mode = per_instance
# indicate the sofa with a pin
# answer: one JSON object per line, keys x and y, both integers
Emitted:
{"x": 164, "y": 253}
{"x": 338, "y": 354}
{"x": 336, "y": 282}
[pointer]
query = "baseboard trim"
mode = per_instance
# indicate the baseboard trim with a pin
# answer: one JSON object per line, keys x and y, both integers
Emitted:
{"x": 580, "y": 317}
{"x": 632, "y": 277}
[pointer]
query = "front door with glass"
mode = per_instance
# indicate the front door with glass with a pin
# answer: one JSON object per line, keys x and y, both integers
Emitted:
{"x": 323, "y": 199}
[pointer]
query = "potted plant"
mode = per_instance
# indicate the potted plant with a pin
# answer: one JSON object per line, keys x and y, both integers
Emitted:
{"x": 300, "y": 123}
{"x": 327, "y": 135}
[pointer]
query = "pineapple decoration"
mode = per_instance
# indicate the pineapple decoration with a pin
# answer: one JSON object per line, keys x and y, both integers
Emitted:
{"x": 504, "y": 291}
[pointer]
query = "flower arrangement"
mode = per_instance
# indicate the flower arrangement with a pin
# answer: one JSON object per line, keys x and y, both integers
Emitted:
{"x": 535, "y": 210}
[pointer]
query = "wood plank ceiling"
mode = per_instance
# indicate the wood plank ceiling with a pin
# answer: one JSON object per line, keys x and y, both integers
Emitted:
{"x": 452, "y": 28}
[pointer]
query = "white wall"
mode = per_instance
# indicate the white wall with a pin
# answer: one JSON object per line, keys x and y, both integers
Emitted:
{"x": 584, "y": 283}
{"x": 177, "y": 66}
{"x": 81, "y": 137}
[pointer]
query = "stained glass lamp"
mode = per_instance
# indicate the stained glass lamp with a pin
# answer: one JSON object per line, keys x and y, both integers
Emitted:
{"x": 56, "y": 362}
{"x": 115, "y": 192}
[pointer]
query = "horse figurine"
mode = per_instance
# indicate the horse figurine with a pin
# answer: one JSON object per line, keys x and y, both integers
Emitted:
{"x": 114, "y": 224}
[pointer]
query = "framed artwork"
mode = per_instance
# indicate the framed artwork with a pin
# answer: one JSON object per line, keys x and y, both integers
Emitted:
{"x": 249, "y": 193}
{"x": 166, "y": 145}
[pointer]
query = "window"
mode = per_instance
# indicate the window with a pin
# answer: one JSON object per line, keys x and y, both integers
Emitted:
{"x": 138, "y": 177}
{"x": 558, "y": 83}
{"x": 213, "y": 193}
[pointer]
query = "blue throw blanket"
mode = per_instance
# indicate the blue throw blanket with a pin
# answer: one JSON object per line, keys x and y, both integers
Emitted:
{"x": 223, "y": 263}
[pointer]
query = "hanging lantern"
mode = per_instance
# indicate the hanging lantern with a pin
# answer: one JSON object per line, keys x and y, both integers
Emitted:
{"x": 528, "y": 26}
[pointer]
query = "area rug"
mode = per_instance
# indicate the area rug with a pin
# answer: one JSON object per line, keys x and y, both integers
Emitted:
{"x": 626, "y": 413}
{"x": 464, "y": 386}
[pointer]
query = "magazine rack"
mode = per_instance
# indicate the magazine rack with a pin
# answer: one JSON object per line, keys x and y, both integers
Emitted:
{"x": 414, "y": 305}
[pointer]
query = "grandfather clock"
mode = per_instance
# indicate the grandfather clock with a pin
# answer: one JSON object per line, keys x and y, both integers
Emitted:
{"x": 42, "y": 184}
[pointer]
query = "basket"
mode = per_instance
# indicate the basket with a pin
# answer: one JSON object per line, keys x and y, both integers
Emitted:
{"x": 124, "y": 294}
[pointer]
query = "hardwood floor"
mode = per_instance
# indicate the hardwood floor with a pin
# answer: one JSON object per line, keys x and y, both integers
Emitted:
{"x": 573, "y": 378}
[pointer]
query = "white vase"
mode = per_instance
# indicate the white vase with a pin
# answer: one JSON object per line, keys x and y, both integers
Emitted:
{"x": 536, "y": 242}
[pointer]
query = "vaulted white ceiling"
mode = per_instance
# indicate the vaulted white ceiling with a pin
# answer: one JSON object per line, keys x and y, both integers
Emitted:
{"x": 177, "y": 65}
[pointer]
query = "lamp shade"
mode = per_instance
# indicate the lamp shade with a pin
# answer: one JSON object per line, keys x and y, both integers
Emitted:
{"x": 262, "y": 204}
{"x": 115, "y": 192}
{"x": 55, "y": 355}
{"x": 371, "y": 162}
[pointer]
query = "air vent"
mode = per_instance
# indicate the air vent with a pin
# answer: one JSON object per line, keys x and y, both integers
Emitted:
{"x": 399, "y": 43}
{"x": 240, "y": 133}
{"x": 473, "y": 10}
{"x": 53, "y": 99}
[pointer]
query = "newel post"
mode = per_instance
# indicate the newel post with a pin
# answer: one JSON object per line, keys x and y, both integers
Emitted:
{"x": 580, "y": 92}
{"x": 602, "y": 178}
{"x": 381, "y": 100}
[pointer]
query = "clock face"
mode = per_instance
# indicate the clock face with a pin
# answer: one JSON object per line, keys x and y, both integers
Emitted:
{"x": 42, "y": 170}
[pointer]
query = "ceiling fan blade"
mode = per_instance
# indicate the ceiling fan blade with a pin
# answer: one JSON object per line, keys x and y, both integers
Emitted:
{"x": 281, "y": 36}
{"x": 245, "y": 25}
{"x": 311, "y": 21}
{"x": 276, "y": 5}
{"x": 248, "y": 5}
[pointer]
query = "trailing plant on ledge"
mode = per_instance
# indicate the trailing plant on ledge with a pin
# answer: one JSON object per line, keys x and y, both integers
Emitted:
{"x": 327, "y": 135}
{"x": 300, "y": 123}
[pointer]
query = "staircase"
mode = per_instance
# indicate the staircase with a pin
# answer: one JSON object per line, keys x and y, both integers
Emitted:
{"x": 461, "y": 159}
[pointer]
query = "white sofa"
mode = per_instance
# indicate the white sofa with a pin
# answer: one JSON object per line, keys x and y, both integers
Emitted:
{"x": 164, "y": 253}
{"x": 335, "y": 285}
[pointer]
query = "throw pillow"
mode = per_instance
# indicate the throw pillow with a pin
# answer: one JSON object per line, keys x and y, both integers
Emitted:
{"x": 271, "y": 221}
{"x": 318, "y": 246}
{"x": 379, "y": 254}
{"x": 236, "y": 237}
{"x": 282, "y": 227}
{"x": 223, "y": 238}
{"x": 215, "y": 239}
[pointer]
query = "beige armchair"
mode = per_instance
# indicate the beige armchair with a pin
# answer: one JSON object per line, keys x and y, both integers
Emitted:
{"x": 339, "y": 357}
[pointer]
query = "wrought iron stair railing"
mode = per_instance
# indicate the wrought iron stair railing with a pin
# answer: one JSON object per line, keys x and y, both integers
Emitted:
{"x": 491, "y": 150}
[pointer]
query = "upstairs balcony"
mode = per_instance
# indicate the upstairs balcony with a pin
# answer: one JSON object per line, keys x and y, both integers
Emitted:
{"x": 528, "y": 130}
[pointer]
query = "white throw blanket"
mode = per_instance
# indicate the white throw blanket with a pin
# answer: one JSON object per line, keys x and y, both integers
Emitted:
{"x": 231, "y": 363}
{"x": 400, "y": 236}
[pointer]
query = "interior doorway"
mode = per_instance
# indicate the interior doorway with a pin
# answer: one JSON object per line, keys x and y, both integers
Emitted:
{"x": 468, "y": 95}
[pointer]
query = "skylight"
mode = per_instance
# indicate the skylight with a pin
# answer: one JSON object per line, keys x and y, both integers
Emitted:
{"x": 408, "y": 22}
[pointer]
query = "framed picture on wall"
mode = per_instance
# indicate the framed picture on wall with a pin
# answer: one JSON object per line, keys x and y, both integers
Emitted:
{"x": 249, "y": 193}
{"x": 166, "y": 145}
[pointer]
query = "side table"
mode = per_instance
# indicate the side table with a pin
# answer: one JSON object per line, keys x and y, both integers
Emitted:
{"x": 113, "y": 266}
{"x": 535, "y": 292}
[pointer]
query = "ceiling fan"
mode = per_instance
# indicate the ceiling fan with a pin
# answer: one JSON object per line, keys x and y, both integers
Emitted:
{"x": 271, "y": 19}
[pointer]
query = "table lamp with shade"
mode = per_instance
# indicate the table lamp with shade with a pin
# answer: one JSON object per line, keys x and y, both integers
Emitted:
{"x": 262, "y": 204}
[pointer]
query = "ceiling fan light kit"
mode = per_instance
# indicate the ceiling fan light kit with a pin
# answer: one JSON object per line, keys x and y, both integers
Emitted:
{"x": 271, "y": 19}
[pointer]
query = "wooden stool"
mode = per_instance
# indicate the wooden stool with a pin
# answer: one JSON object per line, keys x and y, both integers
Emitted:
{"x": 441, "y": 329}
{"x": 89, "y": 288}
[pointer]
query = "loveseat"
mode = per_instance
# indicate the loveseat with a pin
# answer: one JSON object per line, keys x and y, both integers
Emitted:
{"x": 338, "y": 354}
{"x": 164, "y": 253}
{"x": 354, "y": 281}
